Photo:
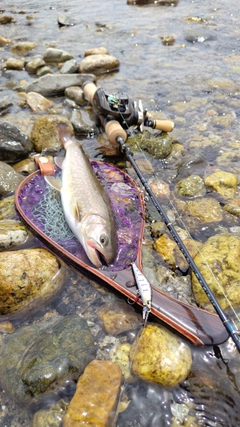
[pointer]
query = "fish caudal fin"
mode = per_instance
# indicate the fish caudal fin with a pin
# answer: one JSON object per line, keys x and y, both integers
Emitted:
{"x": 65, "y": 133}
{"x": 56, "y": 183}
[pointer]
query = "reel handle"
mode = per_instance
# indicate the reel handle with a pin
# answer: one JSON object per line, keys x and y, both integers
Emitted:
{"x": 164, "y": 125}
{"x": 89, "y": 89}
{"x": 113, "y": 129}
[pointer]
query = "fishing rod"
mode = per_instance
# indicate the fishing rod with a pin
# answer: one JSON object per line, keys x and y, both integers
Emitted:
{"x": 118, "y": 112}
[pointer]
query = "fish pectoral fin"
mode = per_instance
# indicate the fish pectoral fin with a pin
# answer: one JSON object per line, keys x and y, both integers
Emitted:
{"x": 56, "y": 183}
{"x": 77, "y": 212}
{"x": 59, "y": 161}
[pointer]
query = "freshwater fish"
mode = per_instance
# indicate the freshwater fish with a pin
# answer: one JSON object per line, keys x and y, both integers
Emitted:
{"x": 85, "y": 203}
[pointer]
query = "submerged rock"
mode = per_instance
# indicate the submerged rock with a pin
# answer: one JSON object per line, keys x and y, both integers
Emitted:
{"x": 96, "y": 397}
{"x": 220, "y": 254}
{"x": 158, "y": 355}
{"x": 38, "y": 362}
{"x": 22, "y": 48}
{"x": 225, "y": 183}
{"x": 193, "y": 186}
{"x": 29, "y": 279}
{"x": 118, "y": 318}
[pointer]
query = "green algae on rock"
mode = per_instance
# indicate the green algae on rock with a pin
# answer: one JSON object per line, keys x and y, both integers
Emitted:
{"x": 158, "y": 355}
{"x": 219, "y": 264}
{"x": 158, "y": 144}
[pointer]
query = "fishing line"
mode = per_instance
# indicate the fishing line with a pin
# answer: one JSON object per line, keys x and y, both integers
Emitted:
{"x": 233, "y": 332}
{"x": 194, "y": 242}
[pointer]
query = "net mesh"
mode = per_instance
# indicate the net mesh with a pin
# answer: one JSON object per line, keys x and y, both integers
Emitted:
{"x": 43, "y": 208}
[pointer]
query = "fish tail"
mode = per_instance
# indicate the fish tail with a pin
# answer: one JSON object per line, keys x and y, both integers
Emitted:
{"x": 65, "y": 133}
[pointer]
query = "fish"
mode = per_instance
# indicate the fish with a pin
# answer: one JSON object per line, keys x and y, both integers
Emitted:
{"x": 85, "y": 203}
{"x": 145, "y": 291}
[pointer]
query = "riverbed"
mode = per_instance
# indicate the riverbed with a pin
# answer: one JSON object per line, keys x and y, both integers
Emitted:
{"x": 182, "y": 60}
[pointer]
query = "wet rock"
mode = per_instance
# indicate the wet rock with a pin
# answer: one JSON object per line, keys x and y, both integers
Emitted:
{"x": 38, "y": 103}
{"x": 219, "y": 254}
{"x": 159, "y": 356}
{"x": 224, "y": 120}
{"x": 9, "y": 179}
{"x": 158, "y": 144}
{"x": 121, "y": 356}
{"x": 14, "y": 64}
{"x": 160, "y": 188}
{"x": 42, "y": 71}
{"x": 82, "y": 123}
{"x": 12, "y": 233}
{"x": 76, "y": 94}
{"x": 169, "y": 251}
{"x": 225, "y": 183}
{"x": 193, "y": 186}
{"x": 99, "y": 64}
{"x": 194, "y": 164}
{"x": 50, "y": 417}
{"x": 44, "y": 133}
{"x": 22, "y": 48}
{"x": 168, "y": 40}
{"x": 53, "y": 84}
{"x": 96, "y": 397}
{"x": 38, "y": 362}
{"x": 200, "y": 36}
{"x": 6, "y": 19}
{"x": 96, "y": 51}
{"x": 64, "y": 20}
{"x": 205, "y": 209}
{"x": 26, "y": 166}
{"x": 233, "y": 206}
{"x": 53, "y": 55}
{"x": 29, "y": 278}
{"x": 5, "y": 106}
{"x": 7, "y": 208}
{"x": 4, "y": 41}
{"x": 34, "y": 64}
{"x": 15, "y": 145}
{"x": 118, "y": 318}
{"x": 6, "y": 327}
{"x": 69, "y": 67}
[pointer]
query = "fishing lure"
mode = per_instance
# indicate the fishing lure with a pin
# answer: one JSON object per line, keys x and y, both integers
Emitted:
{"x": 145, "y": 291}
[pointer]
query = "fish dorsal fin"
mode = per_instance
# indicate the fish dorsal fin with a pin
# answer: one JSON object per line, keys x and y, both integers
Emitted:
{"x": 77, "y": 212}
{"x": 56, "y": 183}
{"x": 59, "y": 161}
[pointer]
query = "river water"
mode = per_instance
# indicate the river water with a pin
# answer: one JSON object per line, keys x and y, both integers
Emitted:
{"x": 194, "y": 80}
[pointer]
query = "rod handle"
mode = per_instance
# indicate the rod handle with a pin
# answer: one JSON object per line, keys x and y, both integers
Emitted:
{"x": 164, "y": 125}
{"x": 89, "y": 89}
{"x": 113, "y": 129}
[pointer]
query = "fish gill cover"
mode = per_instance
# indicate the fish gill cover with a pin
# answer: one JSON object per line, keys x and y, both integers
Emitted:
{"x": 42, "y": 205}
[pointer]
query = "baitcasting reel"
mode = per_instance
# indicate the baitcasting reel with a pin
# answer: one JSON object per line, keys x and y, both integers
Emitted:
{"x": 120, "y": 108}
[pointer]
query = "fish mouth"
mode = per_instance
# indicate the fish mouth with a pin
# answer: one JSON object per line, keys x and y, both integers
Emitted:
{"x": 95, "y": 254}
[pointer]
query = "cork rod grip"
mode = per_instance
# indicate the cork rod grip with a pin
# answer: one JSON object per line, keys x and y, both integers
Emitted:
{"x": 164, "y": 125}
{"x": 113, "y": 129}
{"x": 89, "y": 90}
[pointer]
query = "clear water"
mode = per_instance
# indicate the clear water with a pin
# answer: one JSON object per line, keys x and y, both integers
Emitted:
{"x": 193, "y": 82}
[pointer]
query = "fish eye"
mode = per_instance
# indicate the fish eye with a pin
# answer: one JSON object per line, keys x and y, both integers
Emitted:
{"x": 104, "y": 240}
